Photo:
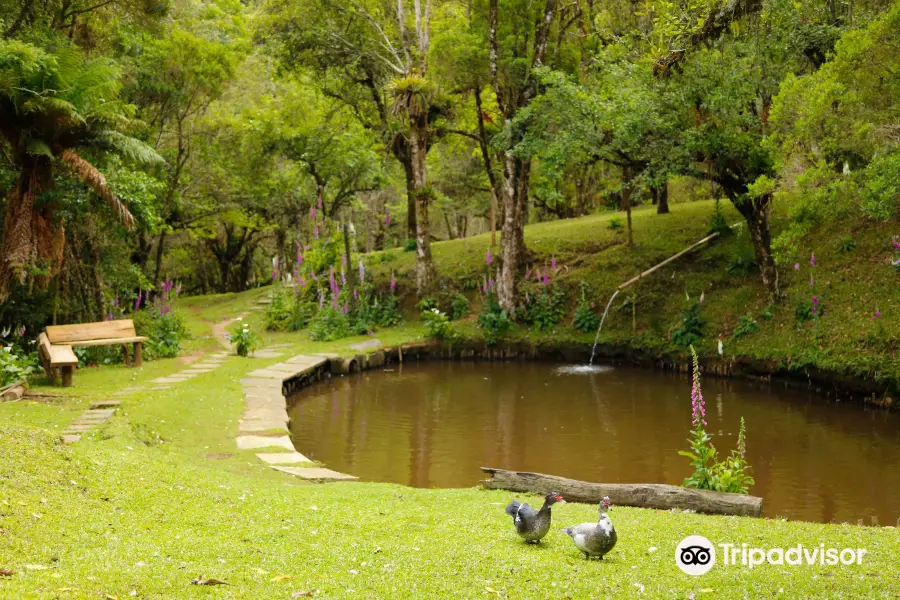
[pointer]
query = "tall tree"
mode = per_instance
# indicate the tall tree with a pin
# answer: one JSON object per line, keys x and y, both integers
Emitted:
{"x": 54, "y": 102}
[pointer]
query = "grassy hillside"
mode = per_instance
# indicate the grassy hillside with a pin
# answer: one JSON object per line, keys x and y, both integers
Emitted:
{"x": 853, "y": 278}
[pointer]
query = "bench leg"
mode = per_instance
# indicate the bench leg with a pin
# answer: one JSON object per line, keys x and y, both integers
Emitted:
{"x": 67, "y": 373}
{"x": 127, "y": 356}
{"x": 138, "y": 353}
{"x": 51, "y": 374}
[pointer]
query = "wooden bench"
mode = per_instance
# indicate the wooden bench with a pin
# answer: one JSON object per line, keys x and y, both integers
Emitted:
{"x": 56, "y": 343}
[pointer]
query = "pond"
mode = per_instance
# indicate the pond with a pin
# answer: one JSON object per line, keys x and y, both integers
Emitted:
{"x": 434, "y": 424}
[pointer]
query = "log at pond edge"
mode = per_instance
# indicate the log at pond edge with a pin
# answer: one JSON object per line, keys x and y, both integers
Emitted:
{"x": 642, "y": 495}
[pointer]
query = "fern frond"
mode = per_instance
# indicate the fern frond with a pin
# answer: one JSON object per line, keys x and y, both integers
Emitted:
{"x": 129, "y": 147}
{"x": 94, "y": 179}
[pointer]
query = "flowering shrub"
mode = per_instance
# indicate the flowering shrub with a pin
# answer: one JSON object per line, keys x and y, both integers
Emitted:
{"x": 438, "y": 325}
{"x": 730, "y": 475}
{"x": 244, "y": 341}
{"x": 329, "y": 324}
{"x": 158, "y": 321}
{"x": 545, "y": 304}
{"x": 288, "y": 312}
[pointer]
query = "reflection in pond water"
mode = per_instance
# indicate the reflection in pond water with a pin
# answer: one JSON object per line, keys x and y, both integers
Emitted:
{"x": 434, "y": 425}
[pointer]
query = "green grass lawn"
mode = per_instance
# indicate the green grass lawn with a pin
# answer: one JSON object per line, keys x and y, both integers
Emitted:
{"x": 160, "y": 495}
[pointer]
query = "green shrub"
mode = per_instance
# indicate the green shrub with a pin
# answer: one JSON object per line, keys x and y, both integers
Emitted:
{"x": 242, "y": 339}
{"x": 438, "y": 325}
{"x": 166, "y": 330}
{"x": 16, "y": 365}
{"x": 746, "y": 325}
{"x": 288, "y": 311}
{"x": 717, "y": 221}
{"x": 427, "y": 303}
{"x": 389, "y": 314}
{"x": 690, "y": 330}
{"x": 846, "y": 245}
{"x": 586, "y": 319}
{"x": 493, "y": 321}
{"x": 459, "y": 307}
{"x": 409, "y": 244}
{"x": 616, "y": 224}
{"x": 329, "y": 325}
{"x": 741, "y": 262}
{"x": 544, "y": 306}
{"x": 803, "y": 311}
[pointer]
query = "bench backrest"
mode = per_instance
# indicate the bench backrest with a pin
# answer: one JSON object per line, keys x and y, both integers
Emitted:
{"x": 82, "y": 332}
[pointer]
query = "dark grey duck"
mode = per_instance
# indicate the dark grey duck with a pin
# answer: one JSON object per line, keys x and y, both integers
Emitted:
{"x": 532, "y": 525}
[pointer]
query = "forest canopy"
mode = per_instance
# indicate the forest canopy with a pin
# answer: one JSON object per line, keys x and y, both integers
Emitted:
{"x": 213, "y": 141}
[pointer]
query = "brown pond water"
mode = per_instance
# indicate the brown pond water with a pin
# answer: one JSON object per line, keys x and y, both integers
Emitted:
{"x": 434, "y": 424}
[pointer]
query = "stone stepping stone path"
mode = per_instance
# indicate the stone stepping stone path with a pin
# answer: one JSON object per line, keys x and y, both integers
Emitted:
{"x": 265, "y": 410}
{"x": 205, "y": 365}
{"x": 98, "y": 414}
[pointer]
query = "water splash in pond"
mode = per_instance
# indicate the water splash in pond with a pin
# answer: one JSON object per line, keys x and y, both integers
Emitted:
{"x": 435, "y": 424}
{"x": 582, "y": 369}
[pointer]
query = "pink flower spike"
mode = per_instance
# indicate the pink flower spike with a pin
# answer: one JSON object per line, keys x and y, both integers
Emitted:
{"x": 312, "y": 214}
{"x": 553, "y": 263}
{"x": 702, "y": 297}
{"x": 387, "y": 219}
{"x": 896, "y": 241}
{"x": 796, "y": 266}
{"x": 393, "y": 282}
{"x": 877, "y": 313}
{"x": 489, "y": 257}
{"x": 812, "y": 259}
{"x": 812, "y": 281}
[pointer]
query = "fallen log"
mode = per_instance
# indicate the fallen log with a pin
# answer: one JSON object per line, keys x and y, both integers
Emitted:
{"x": 642, "y": 495}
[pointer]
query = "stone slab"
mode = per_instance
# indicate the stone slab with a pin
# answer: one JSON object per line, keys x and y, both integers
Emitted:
{"x": 282, "y": 458}
{"x": 374, "y": 344}
{"x": 283, "y": 368}
{"x": 249, "y": 442}
{"x": 79, "y": 427}
{"x": 170, "y": 379}
{"x": 198, "y": 371}
{"x": 314, "y": 473}
{"x": 274, "y": 413}
{"x": 70, "y": 438}
{"x": 99, "y": 412}
{"x": 253, "y": 425}
{"x": 106, "y": 403}
{"x": 90, "y": 421}
{"x": 263, "y": 382}
{"x": 267, "y": 354}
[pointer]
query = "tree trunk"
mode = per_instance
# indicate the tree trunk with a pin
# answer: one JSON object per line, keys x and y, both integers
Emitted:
{"x": 626, "y": 200}
{"x": 756, "y": 213}
{"x": 512, "y": 242}
{"x": 411, "y": 225}
{"x": 159, "y": 255}
{"x": 418, "y": 140}
{"x": 30, "y": 234}
{"x": 661, "y": 198}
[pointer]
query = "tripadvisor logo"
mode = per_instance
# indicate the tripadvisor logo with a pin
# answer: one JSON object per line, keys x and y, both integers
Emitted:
{"x": 695, "y": 555}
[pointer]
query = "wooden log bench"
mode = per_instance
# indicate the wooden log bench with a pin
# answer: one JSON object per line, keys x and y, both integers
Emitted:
{"x": 641, "y": 495}
{"x": 56, "y": 342}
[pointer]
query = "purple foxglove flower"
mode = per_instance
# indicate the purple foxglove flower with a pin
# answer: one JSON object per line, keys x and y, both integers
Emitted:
{"x": 553, "y": 263}
{"x": 812, "y": 259}
{"x": 346, "y": 308}
{"x": 546, "y": 278}
{"x": 299, "y": 257}
{"x": 387, "y": 219}
{"x": 489, "y": 258}
{"x": 316, "y": 232}
{"x": 319, "y": 203}
{"x": 343, "y": 278}
{"x": 312, "y": 214}
{"x": 334, "y": 303}
{"x": 343, "y": 261}
{"x": 537, "y": 275}
{"x": 815, "y": 300}
{"x": 527, "y": 298}
{"x": 137, "y": 302}
{"x": 896, "y": 241}
{"x": 796, "y": 266}
{"x": 274, "y": 274}
{"x": 393, "y": 282}
{"x": 491, "y": 284}
{"x": 877, "y": 313}
{"x": 812, "y": 281}
{"x": 302, "y": 282}
{"x": 355, "y": 297}
{"x": 362, "y": 272}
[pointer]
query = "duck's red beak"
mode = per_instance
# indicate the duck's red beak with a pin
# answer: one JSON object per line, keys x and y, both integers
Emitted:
{"x": 559, "y": 498}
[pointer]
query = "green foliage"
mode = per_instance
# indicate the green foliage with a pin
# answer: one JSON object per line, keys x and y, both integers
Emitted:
{"x": 16, "y": 365}
{"x": 585, "y": 320}
{"x": 243, "y": 340}
{"x": 729, "y": 475}
{"x": 846, "y": 245}
{"x": 288, "y": 312}
{"x": 691, "y": 328}
{"x": 166, "y": 331}
{"x": 409, "y": 245}
{"x": 493, "y": 320}
{"x": 717, "y": 221}
{"x": 544, "y": 306}
{"x": 329, "y": 324}
{"x": 746, "y": 325}
{"x": 389, "y": 314}
{"x": 803, "y": 311}
{"x": 616, "y": 224}
{"x": 438, "y": 325}
{"x": 459, "y": 307}
{"x": 427, "y": 303}
{"x": 742, "y": 261}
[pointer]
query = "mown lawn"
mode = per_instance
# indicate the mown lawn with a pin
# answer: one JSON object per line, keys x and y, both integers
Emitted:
{"x": 160, "y": 496}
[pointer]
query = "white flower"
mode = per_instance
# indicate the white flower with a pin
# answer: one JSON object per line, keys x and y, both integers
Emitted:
{"x": 435, "y": 311}
{"x": 239, "y": 319}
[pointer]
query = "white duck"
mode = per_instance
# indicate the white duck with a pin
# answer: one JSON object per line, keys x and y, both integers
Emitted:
{"x": 594, "y": 539}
